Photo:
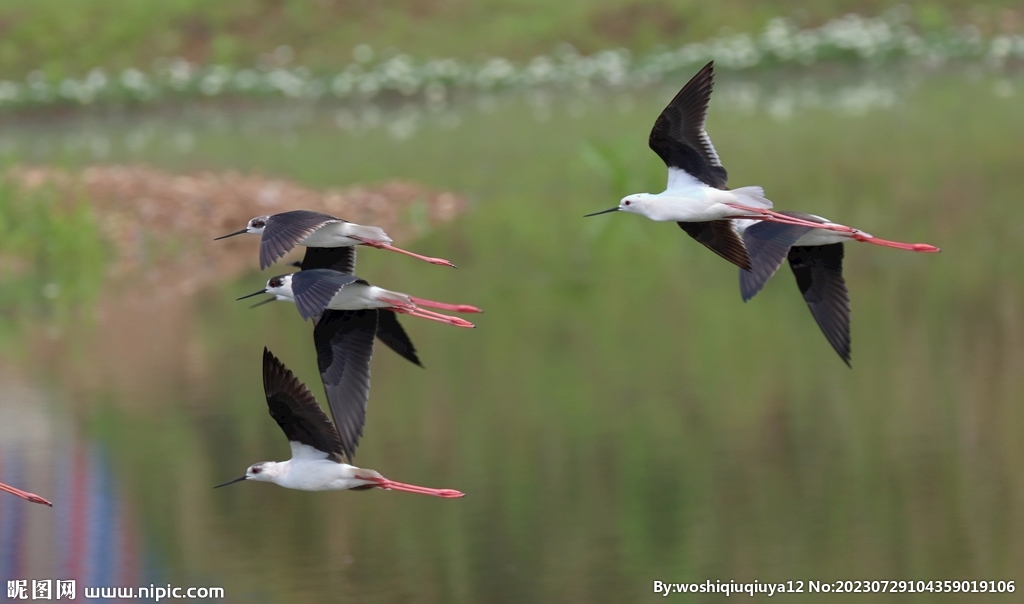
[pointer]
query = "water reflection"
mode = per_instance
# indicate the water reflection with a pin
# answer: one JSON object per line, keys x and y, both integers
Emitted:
{"x": 619, "y": 415}
{"x": 91, "y": 534}
{"x": 854, "y": 93}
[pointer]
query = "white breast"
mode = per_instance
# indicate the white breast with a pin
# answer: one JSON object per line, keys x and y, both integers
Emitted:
{"x": 319, "y": 475}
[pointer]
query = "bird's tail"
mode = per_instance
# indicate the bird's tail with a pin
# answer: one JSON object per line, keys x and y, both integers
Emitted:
{"x": 367, "y": 233}
{"x": 752, "y": 197}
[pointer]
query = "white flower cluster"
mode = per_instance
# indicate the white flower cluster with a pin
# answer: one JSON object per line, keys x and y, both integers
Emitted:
{"x": 850, "y": 38}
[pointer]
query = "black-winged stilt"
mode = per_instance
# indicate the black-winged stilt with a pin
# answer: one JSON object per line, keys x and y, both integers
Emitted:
{"x": 317, "y": 290}
{"x": 343, "y": 259}
{"x": 318, "y": 450}
{"x": 348, "y": 312}
{"x": 696, "y": 196}
{"x": 24, "y": 494}
{"x": 816, "y": 257}
{"x": 282, "y": 232}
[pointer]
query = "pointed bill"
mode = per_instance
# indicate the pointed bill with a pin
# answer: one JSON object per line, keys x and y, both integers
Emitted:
{"x": 615, "y": 209}
{"x": 241, "y": 232}
{"x": 262, "y": 291}
{"x": 224, "y": 484}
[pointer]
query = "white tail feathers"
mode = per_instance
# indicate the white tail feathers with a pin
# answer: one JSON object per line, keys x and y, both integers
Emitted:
{"x": 370, "y": 233}
{"x": 381, "y": 294}
{"x": 753, "y": 197}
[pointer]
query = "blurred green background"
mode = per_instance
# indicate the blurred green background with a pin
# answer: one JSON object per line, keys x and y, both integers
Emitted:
{"x": 619, "y": 416}
{"x": 68, "y": 40}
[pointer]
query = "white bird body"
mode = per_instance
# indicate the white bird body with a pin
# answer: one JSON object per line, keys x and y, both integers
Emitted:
{"x": 687, "y": 199}
{"x": 320, "y": 290}
{"x": 311, "y": 470}
{"x": 357, "y": 296}
{"x": 319, "y": 449}
{"x": 281, "y": 232}
{"x": 339, "y": 233}
{"x": 354, "y": 296}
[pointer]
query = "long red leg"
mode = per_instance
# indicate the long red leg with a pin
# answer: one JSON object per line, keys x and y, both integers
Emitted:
{"x": 400, "y": 306}
{"x": 436, "y": 316}
{"x": 913, "y": 247}
{"x": 387, "y": 246}
{"x": 771, "y": 216}
{"x": 444, "y": 305}
{"x": 384, "y": 483}
{"x": 24, "y": 495}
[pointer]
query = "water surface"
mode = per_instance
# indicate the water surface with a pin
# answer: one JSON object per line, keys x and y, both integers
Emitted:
{"x": 618, "y": 416}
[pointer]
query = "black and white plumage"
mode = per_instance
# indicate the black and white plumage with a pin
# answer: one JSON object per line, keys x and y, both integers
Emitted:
{"x": 816, "y": 259}
{"x": 280, "y": 233}
{"x": 318, "y": 449}
{"x": 300, "y": 417}
{"x": 344, "y": 348}
{"x": 389, "y": 330}
{"x": 696, "y": 196}
{"x": 317, "y": 290}
{"x": 348, "y": 313}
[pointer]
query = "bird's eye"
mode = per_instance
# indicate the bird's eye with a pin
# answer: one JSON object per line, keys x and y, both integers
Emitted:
{"x": 275, "y": 282}
{"x": 258, "y": 224}
{"x": 257, "y": 470}
{"x": 626, "y": 202}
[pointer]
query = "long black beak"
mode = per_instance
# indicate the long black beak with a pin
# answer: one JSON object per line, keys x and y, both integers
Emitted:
{"x": 262, "y": 291}
{"x": 262, "y": 302}
{"x": 245, "y": 230}
{"x": 615, "y": 209}
{"x": 239, "y": 479}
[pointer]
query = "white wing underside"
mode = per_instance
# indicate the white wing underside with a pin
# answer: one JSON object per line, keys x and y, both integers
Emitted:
{"x": 305, "y": 452}
{"x": 679, "y": 180}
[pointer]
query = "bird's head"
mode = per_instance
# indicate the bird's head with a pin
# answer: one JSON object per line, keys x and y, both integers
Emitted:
{"x": 264, "y": 471}
{"x": 281, "y": 287}
{"x": 256, "y": 225}
{"x": 637, "y": 203}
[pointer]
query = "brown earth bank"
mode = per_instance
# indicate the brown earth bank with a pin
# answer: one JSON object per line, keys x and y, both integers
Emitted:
{"x": 156, "y": 220}
{"x": 161, "y": 228}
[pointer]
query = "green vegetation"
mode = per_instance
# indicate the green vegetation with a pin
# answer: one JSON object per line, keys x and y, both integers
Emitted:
{"x": 67, "y": 40}
{"x": 51, "y": 258}
{"x": 619, "y": 415}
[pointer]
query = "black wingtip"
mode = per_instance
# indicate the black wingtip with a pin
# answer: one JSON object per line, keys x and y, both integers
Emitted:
{"x": 269, "y": 359}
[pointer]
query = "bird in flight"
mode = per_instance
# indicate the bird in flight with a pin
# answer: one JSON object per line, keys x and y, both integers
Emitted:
{"x": 279, "y": 233}
{"x": 318, "y": 450}
{"x": 696, "y": 197}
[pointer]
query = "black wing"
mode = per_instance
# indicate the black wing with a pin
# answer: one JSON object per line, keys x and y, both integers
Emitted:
{"x": 391, "y": 333}
{"x": 678, "y": 136}
{"x": 314, "y": 289}
{"x": 344, "y": 346}
{"x": 767, "y": 244}
{"x": 819, "y": 275}
{"x": 295, "y": 409}
{"x": 341, "y": 259}
{"x": 285, "y": 230}
{"x": 719, "y": 237}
